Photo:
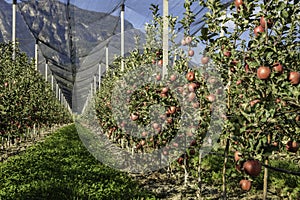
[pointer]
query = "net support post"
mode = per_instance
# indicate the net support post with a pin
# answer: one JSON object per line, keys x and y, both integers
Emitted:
{"x": 14, "y": 21}
{"x": 46, "y": 71}
{"x": 56, "y": 90}
{"x": 52, "y": 82}
{"x": 106, "y": 59}
{"x": 36, "y": 54}
{"x": 91, "y": 91}
{"x": 99, "y": 76}
{"x": 122, "y": 36}
{"x": 59, "y": 94}
{"x": 165, "y": 37}
{"x": 95, "y": 84}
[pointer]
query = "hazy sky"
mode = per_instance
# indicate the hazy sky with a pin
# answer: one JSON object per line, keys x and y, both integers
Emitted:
{"x": 136, "y": 12}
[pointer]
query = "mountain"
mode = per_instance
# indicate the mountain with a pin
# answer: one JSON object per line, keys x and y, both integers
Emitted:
{"x": 67, "y": 36}
{"x": 25, "y": 38}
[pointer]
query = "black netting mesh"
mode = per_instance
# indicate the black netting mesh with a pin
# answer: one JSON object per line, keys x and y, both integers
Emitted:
{"x": 73, "y": 35}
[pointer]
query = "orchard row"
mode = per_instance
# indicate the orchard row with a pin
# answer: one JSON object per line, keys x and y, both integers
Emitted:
{"x": 256, "y": 59}
{"x": 26, "y": 100}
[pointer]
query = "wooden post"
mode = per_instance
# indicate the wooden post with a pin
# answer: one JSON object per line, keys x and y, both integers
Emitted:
{"x": 266, "y": 173}
{"x": 165, "y": 37}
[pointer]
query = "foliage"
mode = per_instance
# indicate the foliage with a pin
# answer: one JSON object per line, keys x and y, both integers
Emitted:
{"x": 25, "y": 99}
{"x": 262, "y": 113}
{"x": 257, "y": 109}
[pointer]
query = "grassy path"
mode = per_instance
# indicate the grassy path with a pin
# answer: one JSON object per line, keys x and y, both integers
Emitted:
{"x": 61, "y": 168}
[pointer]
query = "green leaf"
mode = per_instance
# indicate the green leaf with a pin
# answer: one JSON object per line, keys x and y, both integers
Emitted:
{"x": 281, "y": 6}
{"x": 285, "y": 14}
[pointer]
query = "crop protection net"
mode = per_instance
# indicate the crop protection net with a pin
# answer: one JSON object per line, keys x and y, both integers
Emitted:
{"x": 80, "y": 38}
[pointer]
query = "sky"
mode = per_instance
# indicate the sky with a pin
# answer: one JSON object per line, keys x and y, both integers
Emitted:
{"x": 136, "y": 11}
{"x": 132, "y": 14}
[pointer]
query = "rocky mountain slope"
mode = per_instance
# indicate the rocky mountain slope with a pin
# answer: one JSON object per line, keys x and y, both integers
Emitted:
{"x": 67, "y": 35}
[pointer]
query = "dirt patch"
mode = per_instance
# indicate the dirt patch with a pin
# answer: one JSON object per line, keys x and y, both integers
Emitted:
{"x": 170, "y": 186}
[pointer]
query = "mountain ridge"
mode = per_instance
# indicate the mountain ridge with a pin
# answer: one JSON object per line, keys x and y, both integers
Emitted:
{"x": 66, "y": 34}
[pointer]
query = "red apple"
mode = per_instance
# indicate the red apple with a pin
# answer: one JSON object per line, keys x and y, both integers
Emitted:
{"x": 164, "y": 90}
{"x": 204, "y": 60}
{"x": 163, "y": 95}
{"x": 155, "y": 125}
{"x": 263, "y": 22}
{"x": 142, "y": 142}
{"x": 193, "y": 143}
{"x": 158, "y": 77}
{"x": 237, "y": 156}
{"x": 172, "y": 109}
{"x": 175, "y": 144}
{"x": 183, "y": 43}
{"x": 252, "y": 167}
{"x": 169, "y": 120}
{"x": 263, "y": 72}
{"x": 227, "y": 53}
{"x": 238, "y": 3}
{"x": 234, "y": 62}
{"x": 278, "y": 67}
{"x": 211, "y": 97}
{"x": 160, "y": 62}
{"x": 191, "y": 96}
{"x": 238, "y": 82}
{"x": 196, "y": 105}
{"x": 292, "y": 146}
{"x": 191, "y": 53}
{"x": 258, "y": 30}
{"x": 246, "y": 68}
{"x": 253, "y": 102}
{"x": 192, "y": 87}
{"x": 245, "y": 185}
{"x": 173, "y": 77}
{"x": 190, "y": 76}
{"x": 180, "y": 160}
{"x": 188, "y": 39}
{"x": 144, "y": 134}
{"x": 165, "y": 152}
{"x": 134, "y": 117}
{"x": 294, "y": 78}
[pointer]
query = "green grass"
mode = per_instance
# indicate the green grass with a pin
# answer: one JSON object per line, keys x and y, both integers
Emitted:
{"x": 61, "y": 168}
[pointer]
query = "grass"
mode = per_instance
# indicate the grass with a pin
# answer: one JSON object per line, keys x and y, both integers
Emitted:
{"x": 61, "y": 168}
